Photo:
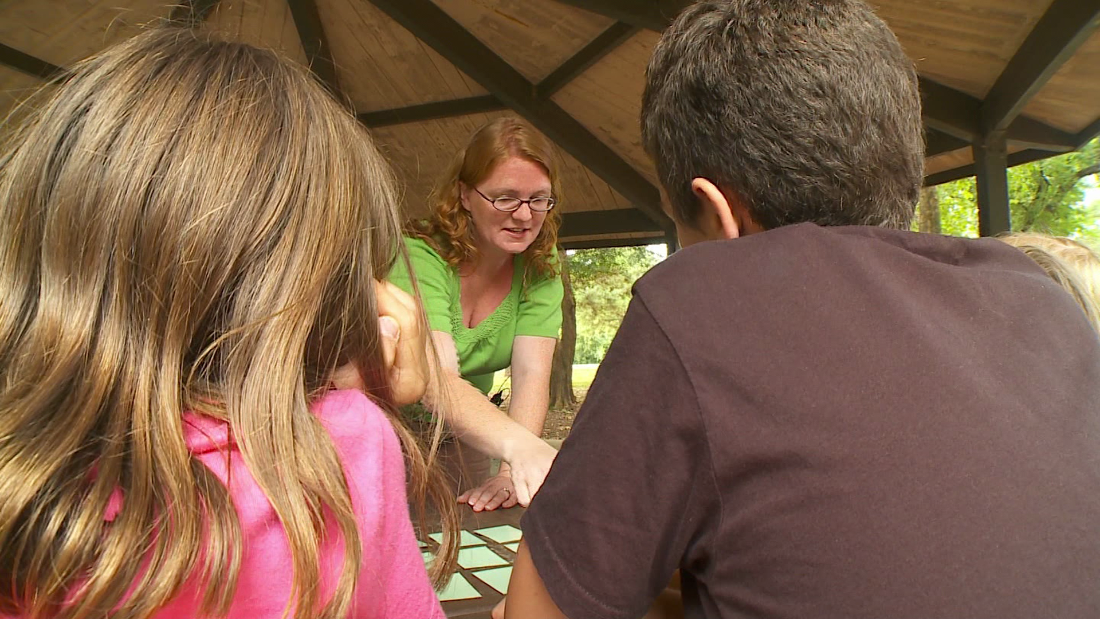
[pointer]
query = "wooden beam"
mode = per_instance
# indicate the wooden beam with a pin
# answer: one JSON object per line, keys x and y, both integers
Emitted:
{"x": 937, "y": 142}
{"x": 614, "y": 242}
{"x": 589, "y": 55}
{"x": 429, "y": 23}
{"x": 652, "y": 15}
{"x": 431, "y": 111}
{"x": 28, "y": 64}
{"x": 965, "y": 171}
{"x": 958, "y": 114}
{"x": 307, "y": 20}
{"x": 191, "y": 13}
{"x": 1087, "y": 134}
{"x": 614, "y": 221}
{"x": 1065, "y": 26}
{"x": 991, "y": 168}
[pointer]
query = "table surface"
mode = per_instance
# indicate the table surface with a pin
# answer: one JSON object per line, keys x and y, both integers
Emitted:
{"x": 479, "y": 608}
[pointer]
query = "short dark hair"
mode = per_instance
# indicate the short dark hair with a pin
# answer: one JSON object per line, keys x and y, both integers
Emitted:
{"x": 808, "y": 110}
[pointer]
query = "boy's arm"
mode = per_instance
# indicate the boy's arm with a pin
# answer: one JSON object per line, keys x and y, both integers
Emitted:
{"x": 528, "y": 597}
{"x": 608, "y": 549}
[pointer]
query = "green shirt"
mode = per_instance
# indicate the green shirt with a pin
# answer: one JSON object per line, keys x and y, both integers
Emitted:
{"x": 488, "y": 346}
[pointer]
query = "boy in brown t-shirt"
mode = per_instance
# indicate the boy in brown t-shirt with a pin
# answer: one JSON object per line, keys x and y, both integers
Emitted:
{"x": 820, "y": 415}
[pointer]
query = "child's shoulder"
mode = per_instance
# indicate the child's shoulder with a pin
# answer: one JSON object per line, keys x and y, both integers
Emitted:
{"x": 349, "y": 415}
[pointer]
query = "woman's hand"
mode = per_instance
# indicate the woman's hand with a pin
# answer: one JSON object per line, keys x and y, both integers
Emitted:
{"x": 497, "y": 491}
{"x": 530, "y": 459}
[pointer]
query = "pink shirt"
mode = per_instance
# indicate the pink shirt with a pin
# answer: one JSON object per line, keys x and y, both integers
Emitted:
{"x": 393, "y": 581}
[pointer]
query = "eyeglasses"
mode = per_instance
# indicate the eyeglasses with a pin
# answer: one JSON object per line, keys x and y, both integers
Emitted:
{"x": 510, "y": 205}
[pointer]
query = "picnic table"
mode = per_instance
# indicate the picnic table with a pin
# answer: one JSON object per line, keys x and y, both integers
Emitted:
{"x": 487, "y": 549}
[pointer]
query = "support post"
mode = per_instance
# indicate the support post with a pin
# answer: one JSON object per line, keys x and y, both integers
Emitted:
{"x": 991, "y": 165}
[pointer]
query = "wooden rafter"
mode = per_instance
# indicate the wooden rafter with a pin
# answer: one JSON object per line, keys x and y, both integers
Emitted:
{"x": 191, "y": 13}
{"x": 963, "y": 171}
{"x": 590, "y": 54}
{"x": 937, "y": 142}
{"x": 432, "y": 111}
{"x": 945, "y": 109}
{"x": 649, "y": 14}
{"x": 1088, "y": 133}
{"x": 1065, "y": 26}
{"x": 615, "y": 242}
{"x": 307, "y": 20}
{"x": 28, "y": 64}
{"x": 959, "y": 115}
{"x": 614, "y": 221}
{"x": 429, "y": 23}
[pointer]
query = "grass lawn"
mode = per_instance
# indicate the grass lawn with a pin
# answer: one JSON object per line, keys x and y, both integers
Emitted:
{"x": 582, "y": 377}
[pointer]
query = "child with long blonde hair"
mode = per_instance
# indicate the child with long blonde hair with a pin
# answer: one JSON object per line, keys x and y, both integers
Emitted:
{"x": 191, "y": 238}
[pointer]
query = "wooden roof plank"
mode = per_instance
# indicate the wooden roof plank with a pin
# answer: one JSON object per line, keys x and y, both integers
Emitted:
{"x": 440, "y": 31}
{"x": 617, "y": 34}
{"x": 1065, "y": 26}
{"x": 307, "y": 19}
{"x": 191, "y": 13}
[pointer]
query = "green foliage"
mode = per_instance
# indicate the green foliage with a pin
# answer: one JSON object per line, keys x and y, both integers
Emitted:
{"x": 1044, "y": 196}
{"x": 601, "y": 281}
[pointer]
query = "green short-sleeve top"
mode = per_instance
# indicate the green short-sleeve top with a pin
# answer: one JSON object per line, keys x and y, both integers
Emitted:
{"x": 487, "y": 347}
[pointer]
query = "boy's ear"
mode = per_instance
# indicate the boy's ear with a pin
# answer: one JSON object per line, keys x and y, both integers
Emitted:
{"x": 717, "y": 217}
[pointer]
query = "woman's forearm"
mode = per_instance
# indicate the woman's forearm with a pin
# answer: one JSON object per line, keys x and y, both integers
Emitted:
{"x": 477, "y": 422}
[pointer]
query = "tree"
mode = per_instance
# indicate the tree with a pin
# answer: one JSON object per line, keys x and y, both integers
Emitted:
{"x": 561, "y": 370}
{"x": 602, "y": 279}
{"x": 1044, "y": 196}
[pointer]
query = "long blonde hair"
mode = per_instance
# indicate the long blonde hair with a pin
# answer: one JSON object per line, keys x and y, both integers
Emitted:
{"x": 184, "y": 225}
{"x": 449, "y": 228}
{"x": 1074, "y": 265}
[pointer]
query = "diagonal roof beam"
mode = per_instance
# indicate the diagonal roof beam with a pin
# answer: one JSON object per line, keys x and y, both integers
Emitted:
{"x": 307, "y": 20}
{"x": 35, "y": 67}
{"x": 649, "y": 14}
{"x": 431, "y": 111}
{"x": 589, "y": 55}
{"x": 1065, "y": 26}
{"x": 944, "y": 109}
{"x": 937, "y": 143}
{"x": 1088, "y": 133}
{"x": 191, "y": 13}
{"x": 958, "y": 114}
{"x": 429, "y": 23}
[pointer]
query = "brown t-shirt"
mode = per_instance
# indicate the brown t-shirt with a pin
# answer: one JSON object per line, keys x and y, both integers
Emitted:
{"x": 835, "y": 423}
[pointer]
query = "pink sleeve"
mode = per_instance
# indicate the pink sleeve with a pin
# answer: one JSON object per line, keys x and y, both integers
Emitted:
{"x": 394, "y": 581}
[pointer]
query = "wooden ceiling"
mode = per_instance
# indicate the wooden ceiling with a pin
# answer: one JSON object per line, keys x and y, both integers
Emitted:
{"x": 424, "y": 74}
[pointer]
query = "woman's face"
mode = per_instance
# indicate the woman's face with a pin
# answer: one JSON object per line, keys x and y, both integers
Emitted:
{"x": 500, "y": 232}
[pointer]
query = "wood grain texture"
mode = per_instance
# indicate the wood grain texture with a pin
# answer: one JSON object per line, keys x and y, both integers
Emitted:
{"x": 533, "y": 37}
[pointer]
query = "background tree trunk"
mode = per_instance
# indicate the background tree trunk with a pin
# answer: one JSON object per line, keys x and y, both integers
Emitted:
{"x": 929, "y": 211}
{"x": 561, "y": 372}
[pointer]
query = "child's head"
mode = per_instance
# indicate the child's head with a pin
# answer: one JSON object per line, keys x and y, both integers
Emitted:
{"x": 184, "y": 224}
{"x": 1072, "y": 264}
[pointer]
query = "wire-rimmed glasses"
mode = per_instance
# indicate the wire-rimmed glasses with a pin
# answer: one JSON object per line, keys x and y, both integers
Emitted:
{"x": 509, "y": 204}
